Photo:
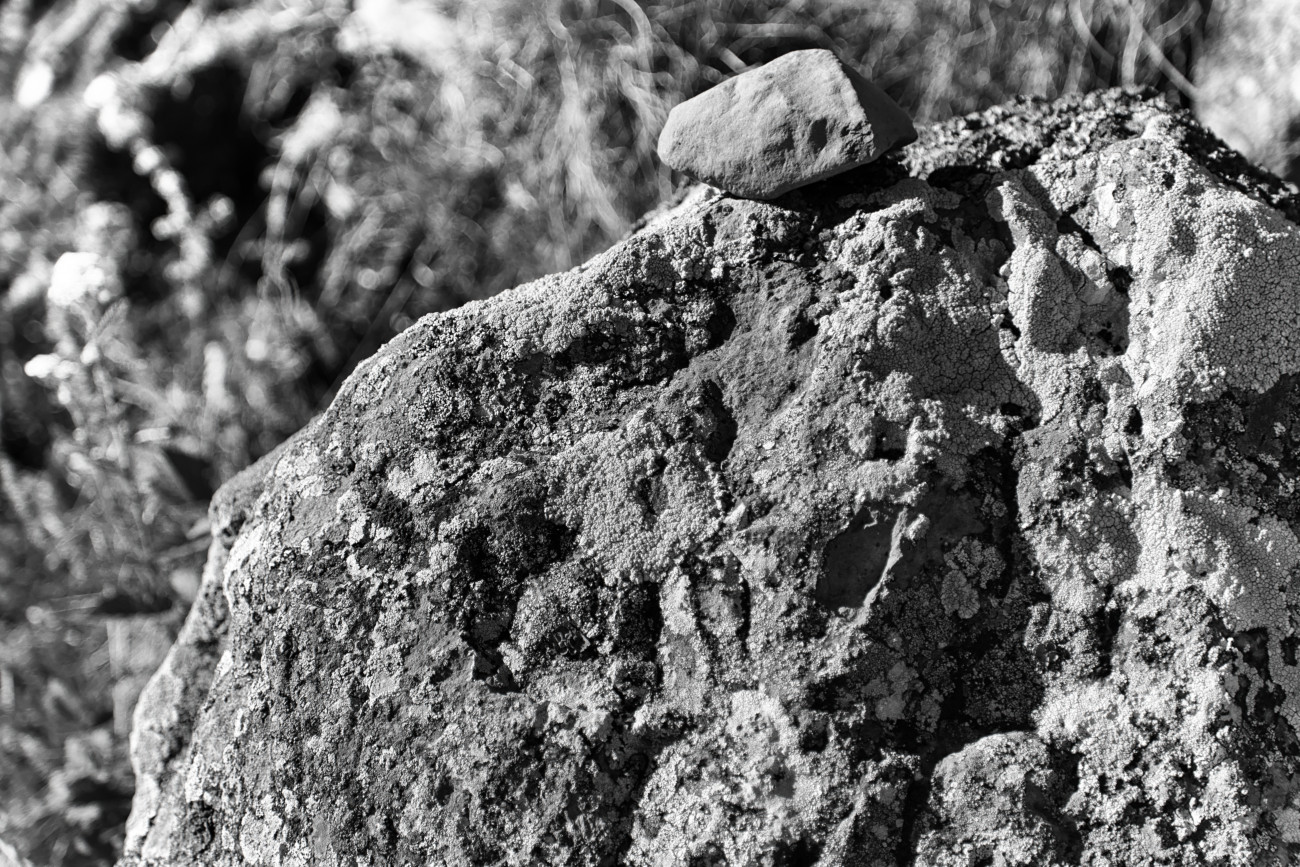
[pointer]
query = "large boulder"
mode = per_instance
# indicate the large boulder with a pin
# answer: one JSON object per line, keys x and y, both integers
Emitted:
{"x": 942, "y": 513}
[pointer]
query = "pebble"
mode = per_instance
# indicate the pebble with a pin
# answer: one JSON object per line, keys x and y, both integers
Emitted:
{"x": 804, "y": 117}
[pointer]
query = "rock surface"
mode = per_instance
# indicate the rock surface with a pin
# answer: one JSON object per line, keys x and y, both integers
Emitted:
{"x": 944, "y": 514}
{"x": 801, "y": 118}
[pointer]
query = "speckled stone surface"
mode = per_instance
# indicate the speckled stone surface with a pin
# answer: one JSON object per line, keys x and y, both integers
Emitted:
{"x": 804, "y": 117}
{"x": 942, "y": 514}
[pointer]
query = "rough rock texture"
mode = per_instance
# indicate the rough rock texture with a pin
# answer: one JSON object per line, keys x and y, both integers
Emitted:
{"x": 944, "y": 514}
{"x": 801, "y": 118}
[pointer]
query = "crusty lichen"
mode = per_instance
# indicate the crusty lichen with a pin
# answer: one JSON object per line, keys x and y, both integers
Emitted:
{"x": 1215, "y": 273}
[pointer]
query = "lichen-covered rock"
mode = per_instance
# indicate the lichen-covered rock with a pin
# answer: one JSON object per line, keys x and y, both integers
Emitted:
{"x": 804, "y": 117}
{"x": 944, "y": 514}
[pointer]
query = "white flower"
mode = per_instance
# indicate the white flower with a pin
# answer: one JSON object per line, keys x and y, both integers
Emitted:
{"x": 44, "y": 368}
{"x": 78, "y": 278}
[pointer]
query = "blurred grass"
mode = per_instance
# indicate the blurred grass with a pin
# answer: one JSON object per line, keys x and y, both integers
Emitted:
{"x": 270, "y": 190}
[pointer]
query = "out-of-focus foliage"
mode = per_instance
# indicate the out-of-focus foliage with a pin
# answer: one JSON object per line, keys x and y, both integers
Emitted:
{"x": 258, "y": 194}
{"x": 1249, "y": 81}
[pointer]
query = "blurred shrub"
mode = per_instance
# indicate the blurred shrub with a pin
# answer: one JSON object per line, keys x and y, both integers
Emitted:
{"x": 1249, "y": 81}
{"x": 256, "y": 195}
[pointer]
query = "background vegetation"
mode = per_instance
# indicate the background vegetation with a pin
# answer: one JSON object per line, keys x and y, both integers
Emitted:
{"x": 258, "y": 194}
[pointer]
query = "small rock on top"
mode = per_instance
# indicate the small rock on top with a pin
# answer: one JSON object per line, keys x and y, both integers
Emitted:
{"x": 801, "y": 118}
